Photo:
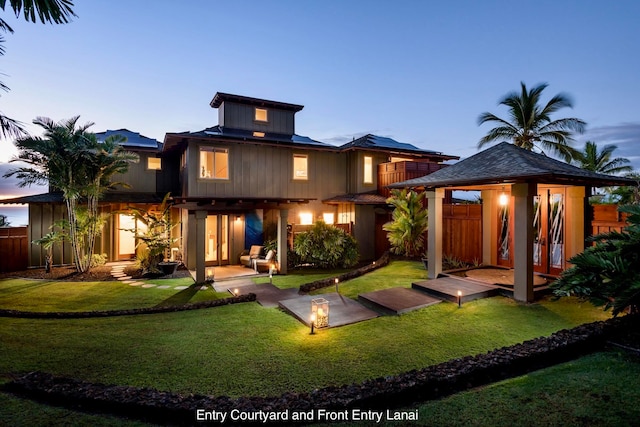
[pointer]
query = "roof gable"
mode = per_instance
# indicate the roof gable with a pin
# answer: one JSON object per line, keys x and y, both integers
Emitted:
{"x": 505, "y": 163}
{"x": 382, "y": 143}
{"x": 134, "y": 139}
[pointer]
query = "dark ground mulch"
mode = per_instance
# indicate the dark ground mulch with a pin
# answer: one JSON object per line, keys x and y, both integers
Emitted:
{"x": 96, "y": 274}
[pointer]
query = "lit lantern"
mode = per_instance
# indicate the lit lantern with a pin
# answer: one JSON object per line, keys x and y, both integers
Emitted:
{"x": 210, "y": 273}
{"x": 320, "y": 311}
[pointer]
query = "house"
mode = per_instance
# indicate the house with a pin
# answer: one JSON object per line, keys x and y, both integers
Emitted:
{"x": 249, "y": 179}
{"x": 535, "y": 210}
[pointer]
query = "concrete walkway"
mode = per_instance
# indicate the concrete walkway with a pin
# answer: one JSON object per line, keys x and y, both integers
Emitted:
{"x": 117, "y": 271}
{"x": 342, "y": 310}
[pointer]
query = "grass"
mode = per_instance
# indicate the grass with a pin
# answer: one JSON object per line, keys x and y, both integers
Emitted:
{"x": 42, "y": 295}
{"x": 246, "y": 349}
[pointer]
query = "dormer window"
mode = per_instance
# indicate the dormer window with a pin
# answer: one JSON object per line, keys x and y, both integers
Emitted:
{"x": 261, "y": 115}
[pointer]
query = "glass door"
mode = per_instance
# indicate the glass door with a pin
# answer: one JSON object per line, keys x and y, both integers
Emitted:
{"x": 217, "y": 240}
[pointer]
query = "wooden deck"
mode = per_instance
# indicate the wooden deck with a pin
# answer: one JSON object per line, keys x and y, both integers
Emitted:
{"x": 447, "y": 287}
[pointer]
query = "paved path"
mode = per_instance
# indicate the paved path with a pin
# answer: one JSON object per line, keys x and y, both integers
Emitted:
{"x": 117, "y": 271}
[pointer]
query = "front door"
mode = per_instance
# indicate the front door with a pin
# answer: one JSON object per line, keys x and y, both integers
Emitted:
{"x": 217, "y": 241}
{"x": 128, "y": 227}
{"x": 548, "y": 242}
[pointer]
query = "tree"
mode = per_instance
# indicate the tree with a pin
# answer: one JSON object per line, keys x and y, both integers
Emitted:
{"x": 47, "y": 11}
{"x": 409, "y": 222}
{"x": 630, "y": 194}
{"x": 600, "y": 161}
{"x": 607, "y": 273}
{"x": 530, "y": 126}
{"x": 3, "y": 221}
{"x": 72, "y": 161}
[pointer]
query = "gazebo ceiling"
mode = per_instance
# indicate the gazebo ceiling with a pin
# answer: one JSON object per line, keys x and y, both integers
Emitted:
{"x": 505, "y": 163}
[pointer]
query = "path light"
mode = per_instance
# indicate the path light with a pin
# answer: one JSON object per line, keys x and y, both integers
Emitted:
{"x": 312, "y": 320}
{"x": 336, "y": 281}
{"x": 320, "y": 312}
{"x": 459, "y": 298}
{"x": 236, "y": 292}
{"x": 271, "y": 268}
{"x": 210, "y": 273}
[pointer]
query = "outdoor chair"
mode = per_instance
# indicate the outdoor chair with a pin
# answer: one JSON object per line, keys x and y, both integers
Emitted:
{"x": 247, "y": 256}
{"x": 262, "y": 264}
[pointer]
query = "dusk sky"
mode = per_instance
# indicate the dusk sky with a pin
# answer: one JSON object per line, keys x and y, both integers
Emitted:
{"x": 417, "y": 71}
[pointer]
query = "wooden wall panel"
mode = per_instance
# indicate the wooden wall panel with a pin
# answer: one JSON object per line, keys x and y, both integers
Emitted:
{"x": 14, "y": 249}
{"x": 462, "y": 232}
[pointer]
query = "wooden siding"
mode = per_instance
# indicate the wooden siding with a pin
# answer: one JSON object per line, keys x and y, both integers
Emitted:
{"x": 606, "y": 218}
{"x": 355, "y": 171}
{"x": 239, "y": 116}
{"x": 390, "y": 173}
{"x": 462, "y": 232}
{"x": 139, "y": 178}
{"x": 14, "y": 249}
{"x": 41, "y": 219}
{"x": 257, "y": 171}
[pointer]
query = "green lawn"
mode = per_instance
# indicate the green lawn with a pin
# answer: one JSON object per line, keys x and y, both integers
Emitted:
{"x": 246, "y": 349}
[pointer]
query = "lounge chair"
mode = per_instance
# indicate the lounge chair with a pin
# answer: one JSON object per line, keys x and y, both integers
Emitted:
{"x": 247, "y": 256}
{"x": 261, "y": 264}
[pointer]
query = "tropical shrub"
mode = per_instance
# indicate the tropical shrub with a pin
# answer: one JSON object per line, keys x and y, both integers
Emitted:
{"x": 409, "y": 222}
{"x": 607, "y": 273}
{"x": 326, "y": 246}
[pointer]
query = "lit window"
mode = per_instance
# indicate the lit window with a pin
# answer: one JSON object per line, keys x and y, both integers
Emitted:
{"x": 214, "y": 163}
{"x": 258, "y": 134}
{"x": 261, "y": 115}
{"x": 154, "y": 163}
{"x": 327, "y": 217}
{"x": 306, "y": 218}
{"x": 368, "y": 170}
{"x": 300, "y": 166}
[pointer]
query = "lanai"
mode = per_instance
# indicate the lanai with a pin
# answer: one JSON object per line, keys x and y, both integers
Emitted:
{"x": 509, "y": 171}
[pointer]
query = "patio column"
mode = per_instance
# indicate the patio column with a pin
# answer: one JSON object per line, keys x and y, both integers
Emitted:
{"x": 523, "y": 241}
{"x": 283, "y": 217}
{"x": 201, "y": 234}
{"x": 434, "y": 248}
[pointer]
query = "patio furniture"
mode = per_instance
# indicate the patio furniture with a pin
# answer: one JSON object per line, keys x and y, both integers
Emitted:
{"x": 247, "y": 256}
{"x": 264, "y": 263}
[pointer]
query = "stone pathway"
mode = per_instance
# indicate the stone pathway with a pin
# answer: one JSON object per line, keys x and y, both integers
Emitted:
{"x": 117, "y": 271}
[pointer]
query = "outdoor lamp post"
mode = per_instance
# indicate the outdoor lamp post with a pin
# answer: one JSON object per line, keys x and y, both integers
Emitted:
{"x": 336, "y": 281}
{"x": 459, "y": 298}
{"x": 320, "y": 312}
{"x": 271, "y": 268}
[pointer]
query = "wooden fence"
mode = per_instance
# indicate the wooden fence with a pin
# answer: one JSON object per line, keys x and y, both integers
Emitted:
{"x": 605, "y": 218}
{"x": 13, "y": 249}
{"x": 462, "y": 232}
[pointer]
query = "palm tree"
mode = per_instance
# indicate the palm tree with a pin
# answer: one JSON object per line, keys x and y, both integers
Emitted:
{"x": 47, "y": 11}
{"x": 410, "y": 221}
{"x": 530, "y": 126}
{"x": 72, "y": 161}
{"x": 593, "y": 160}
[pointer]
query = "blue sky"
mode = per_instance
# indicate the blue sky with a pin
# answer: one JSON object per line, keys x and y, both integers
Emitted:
{"x": 418, "y": 71}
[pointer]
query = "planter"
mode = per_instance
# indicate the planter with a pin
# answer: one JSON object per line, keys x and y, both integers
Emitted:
{"x": 168, "y": 268}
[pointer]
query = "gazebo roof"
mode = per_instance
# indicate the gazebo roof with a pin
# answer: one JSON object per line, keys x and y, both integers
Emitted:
{"x": 506, "y": 163}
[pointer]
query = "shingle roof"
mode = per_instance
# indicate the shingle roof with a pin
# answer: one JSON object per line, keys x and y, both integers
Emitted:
{"x": 134, "y": 139}
{"x": 506, "y": 163}
{"x": 246, "y": 135}
{"x": 373, "y": 142}
{"x": 108, "y": 197}
{"x": 369, "y": 198}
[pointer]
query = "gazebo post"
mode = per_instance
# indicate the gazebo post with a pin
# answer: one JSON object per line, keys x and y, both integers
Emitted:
{"x": 434, "y": 243}
{"x": 523, "y": 240}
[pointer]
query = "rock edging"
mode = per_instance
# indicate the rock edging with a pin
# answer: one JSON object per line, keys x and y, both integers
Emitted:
{"x": 130, "y": 312}
{"x": 386, "y": 392}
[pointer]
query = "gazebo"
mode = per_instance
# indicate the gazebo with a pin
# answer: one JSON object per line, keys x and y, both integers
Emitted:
{"x": 534, "y": 214}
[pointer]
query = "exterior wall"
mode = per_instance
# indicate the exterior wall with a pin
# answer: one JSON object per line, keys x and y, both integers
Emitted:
{"x": 257, "y": 171}
{"x": 139, "y": 177}
{"x": 355, "y": 170}
{"x": 239, "y": 116}
{"x": 41, "y": 218}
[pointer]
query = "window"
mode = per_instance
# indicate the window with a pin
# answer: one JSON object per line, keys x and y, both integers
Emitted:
{"x": 214, "y": 163}
{"x": 300, "y": 166}
{"x": 328, "y": 217}
{"x": 261, "y": 115}
{"x": 368, "y": 170}
{"x": 306, "y": 218}
{"x": 154, "y": 163}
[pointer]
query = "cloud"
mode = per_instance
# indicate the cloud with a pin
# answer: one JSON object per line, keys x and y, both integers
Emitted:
{"x": 9, "y": 187}
{"x": 626, "y": 136}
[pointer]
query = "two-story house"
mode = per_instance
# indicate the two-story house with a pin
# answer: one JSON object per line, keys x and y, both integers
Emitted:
{"x": 247, "y": 179}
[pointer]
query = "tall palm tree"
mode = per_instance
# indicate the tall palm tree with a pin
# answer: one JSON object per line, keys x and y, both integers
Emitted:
{"x": 47, "y": 11}
{"x": 600, "y": 161}
{"x": 410, "y": 221}
{"x": 530, "y": 126}
{"x": 72, "y": 161}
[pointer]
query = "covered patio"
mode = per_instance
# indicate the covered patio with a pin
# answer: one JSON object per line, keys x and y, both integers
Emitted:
{"x": 535, "y": 213}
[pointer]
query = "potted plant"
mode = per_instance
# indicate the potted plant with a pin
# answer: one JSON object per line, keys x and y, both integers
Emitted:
{"x": 156, "y": 239}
